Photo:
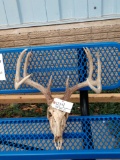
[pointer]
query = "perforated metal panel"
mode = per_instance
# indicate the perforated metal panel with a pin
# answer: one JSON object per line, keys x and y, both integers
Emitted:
{"x": 60, "y": 62}
{"x": 33, "y": 134}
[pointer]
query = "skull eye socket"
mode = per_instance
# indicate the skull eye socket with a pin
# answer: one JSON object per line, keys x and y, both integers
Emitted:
{"x": 50, "y": 115}
{"x": 66, "y": 115}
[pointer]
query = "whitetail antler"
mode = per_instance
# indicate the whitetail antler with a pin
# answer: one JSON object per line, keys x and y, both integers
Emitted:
{"x": 26, "y": 80}
{"x": 56, "y": 117}
{"x": 89, "y": 82}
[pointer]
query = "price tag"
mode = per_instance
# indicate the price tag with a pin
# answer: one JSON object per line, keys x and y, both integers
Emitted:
{"x": 2, "y": 71}
{"x": 62, "y": 105}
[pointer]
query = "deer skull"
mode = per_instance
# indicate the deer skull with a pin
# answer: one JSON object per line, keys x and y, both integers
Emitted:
{"x": 57, "y": 120}
{"x": 56, "y": 117}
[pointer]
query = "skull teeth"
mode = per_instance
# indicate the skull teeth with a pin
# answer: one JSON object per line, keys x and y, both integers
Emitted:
{"x": 58, "y": 144}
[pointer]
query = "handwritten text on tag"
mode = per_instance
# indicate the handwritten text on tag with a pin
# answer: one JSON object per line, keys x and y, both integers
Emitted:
{"x": 2, "y": 71}
{"x": 62, "y": 105}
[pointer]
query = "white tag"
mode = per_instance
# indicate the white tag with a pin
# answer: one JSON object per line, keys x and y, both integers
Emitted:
{"x": 62, "y": 105}
{"x": 2, "y": 71}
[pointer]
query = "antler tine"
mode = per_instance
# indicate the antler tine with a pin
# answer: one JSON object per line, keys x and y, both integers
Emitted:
{"x": 67, "y": 92}
{"x": 18, "y": 65}
{"x": 67, "y": 82}
{"x": 26, "y": 64}
{"x": 87, "y": 51}
{"x": 99, "y": 74}
{"x": 18, "y": 80}
{"x": 48, "y": 92}
{"x": 98, "y": 81}
{"x": 89, "y": 82}
{"x": 50, "y": 83}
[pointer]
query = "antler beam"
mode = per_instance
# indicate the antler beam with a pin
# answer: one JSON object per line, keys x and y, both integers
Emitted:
{"x": 26, "y": 78}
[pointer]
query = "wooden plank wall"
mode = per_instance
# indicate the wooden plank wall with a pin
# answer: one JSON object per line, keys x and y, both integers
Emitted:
{"x": 14, "y": 13}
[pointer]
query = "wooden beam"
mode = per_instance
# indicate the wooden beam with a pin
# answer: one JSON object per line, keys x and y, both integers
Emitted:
{"x": 93, "y": 98}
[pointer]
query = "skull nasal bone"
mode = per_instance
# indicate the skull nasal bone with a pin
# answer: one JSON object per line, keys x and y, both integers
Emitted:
{"x": 57, "y": 137}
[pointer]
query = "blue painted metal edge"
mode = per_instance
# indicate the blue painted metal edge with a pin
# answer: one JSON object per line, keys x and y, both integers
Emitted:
{"x": 63, "y": 154}
{"x": 116, "y": 44}
{"x": 20, "y": 91}
{"x": 70, "y": 117}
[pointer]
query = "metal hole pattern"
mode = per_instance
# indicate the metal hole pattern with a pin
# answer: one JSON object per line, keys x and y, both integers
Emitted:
{"x": 61, "y": 62}
{"x": 33, "y": 134}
